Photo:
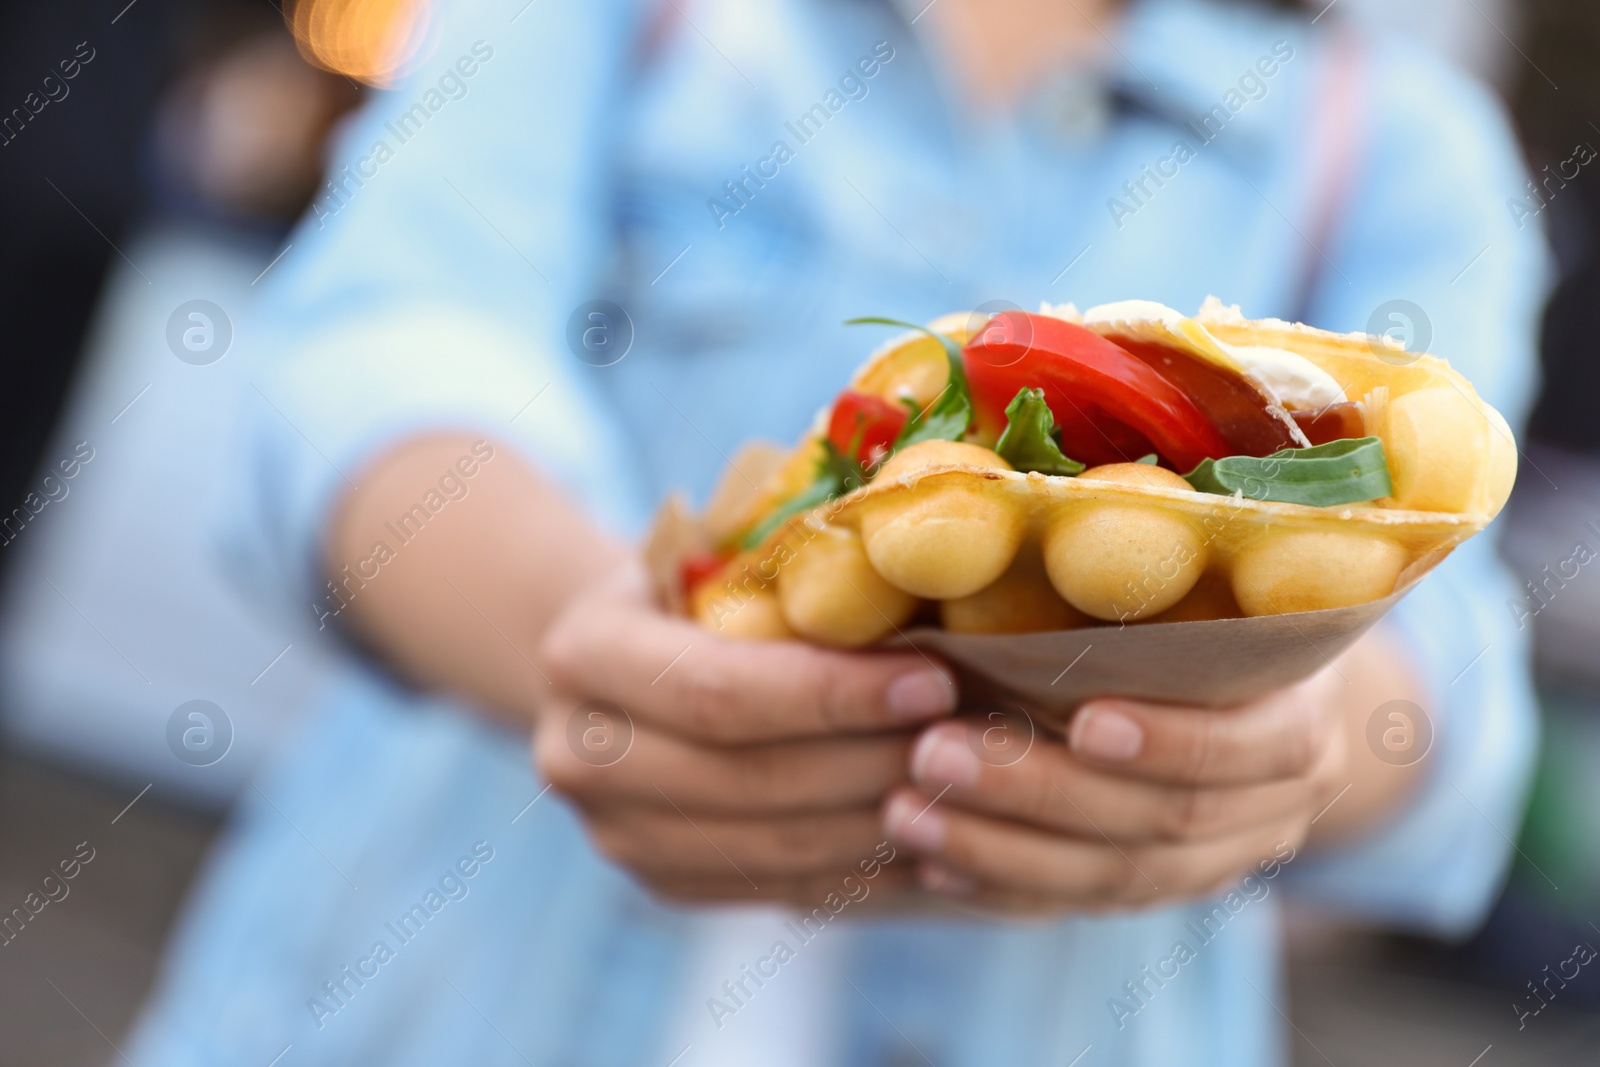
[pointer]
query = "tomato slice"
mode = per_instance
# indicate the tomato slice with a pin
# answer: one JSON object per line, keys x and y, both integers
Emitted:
{"x": 1229, "y": 402}
{"x": 698, "y": 568}
{"x": 1332, "y": 423}
{"x": 1110, "y": 406}
{"x": 864, "y": 426}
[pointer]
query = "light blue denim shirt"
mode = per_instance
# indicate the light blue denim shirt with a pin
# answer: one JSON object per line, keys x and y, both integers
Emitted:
{"x": 740, "y": 184}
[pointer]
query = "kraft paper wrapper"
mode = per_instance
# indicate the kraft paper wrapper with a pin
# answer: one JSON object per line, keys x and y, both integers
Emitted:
{"x": 1215, "y": 663}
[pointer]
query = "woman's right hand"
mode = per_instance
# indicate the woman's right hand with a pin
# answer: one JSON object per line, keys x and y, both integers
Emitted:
{"x": 722, "y": 771}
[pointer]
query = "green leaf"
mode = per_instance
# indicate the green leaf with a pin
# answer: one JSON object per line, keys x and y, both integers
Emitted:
{"x": 1028, "y": 444}
{"x": 836, "y": 468}
{"x": 816, "y": 494}
{"x": 837, "y": 474}
{"x": 949, "y": 417}
{"x": 1341, "y": 472}
{"x": 1149, "y": 457}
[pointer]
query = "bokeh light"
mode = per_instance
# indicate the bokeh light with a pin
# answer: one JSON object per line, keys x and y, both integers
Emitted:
{"x": 372, "y": 41}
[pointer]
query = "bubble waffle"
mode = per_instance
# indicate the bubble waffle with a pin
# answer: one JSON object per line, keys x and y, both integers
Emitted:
{"x": 944, "y": 530}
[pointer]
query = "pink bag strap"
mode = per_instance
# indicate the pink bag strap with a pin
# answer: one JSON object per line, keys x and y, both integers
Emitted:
{"x": 1336, "y": 146}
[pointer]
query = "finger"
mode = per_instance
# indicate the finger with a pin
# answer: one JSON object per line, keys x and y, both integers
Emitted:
{"x": 964, "y": 894}
{"x": 788, "y": 777}
{"x": 678, "y": 676}
{"x": 1023, "y": 860}
{"x": 660, "y": 843}
{"x": 807, "y": 894}
{"x": 1279, "y": 737}
{"x": 1048, "y": 787}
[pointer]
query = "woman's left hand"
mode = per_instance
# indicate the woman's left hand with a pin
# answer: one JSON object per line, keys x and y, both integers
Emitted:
{"x": 1138, "y": 804}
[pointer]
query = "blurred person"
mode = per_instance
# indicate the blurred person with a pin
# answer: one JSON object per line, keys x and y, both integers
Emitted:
{"x": 240, "y": 136}
{"x": 401, "y": 889}
{"x": 217, "y": 165}
{"x": 76, "y": 98}
{"x": 112, "y": 613}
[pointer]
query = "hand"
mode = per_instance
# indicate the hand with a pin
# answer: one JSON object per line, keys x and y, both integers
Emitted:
{"x": 1138, "y": 804}
{"x": 756, "y": 769}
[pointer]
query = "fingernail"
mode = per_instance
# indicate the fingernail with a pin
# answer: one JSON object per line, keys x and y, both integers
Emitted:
{"x": 944, "y": 881}
{"x": 941, "y": 757}
{"x": 914, "y": 823}
{"x": 920, "y": 695}
{"x": 1107, "y": 735}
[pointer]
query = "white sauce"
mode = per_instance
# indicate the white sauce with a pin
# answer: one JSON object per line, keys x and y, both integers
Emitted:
{"x": 1295, "y": 381}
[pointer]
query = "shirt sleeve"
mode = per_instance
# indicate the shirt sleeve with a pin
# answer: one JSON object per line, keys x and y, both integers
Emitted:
{"x": 431, "y": 284}
{"x": 1439, "y": 253}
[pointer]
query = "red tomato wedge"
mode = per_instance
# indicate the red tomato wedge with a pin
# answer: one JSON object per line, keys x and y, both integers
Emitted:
{"x": 864, "y": 427}
{"x": 1332, "y": 423}
{"x": 698, "y": 568}
{"x": 1110, "y": 406}
{"x": 1233, "y": 405}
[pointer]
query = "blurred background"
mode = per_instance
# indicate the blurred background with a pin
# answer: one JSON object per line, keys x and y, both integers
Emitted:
{"x": 149, "y": 191}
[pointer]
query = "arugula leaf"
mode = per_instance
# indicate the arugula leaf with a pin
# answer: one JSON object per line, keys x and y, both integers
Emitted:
{"x": 1028, "y": 444}
{"x": 949, "y": 417}
{"x": 1348, "y": 471}
{"x": 837, "y": 468}
{"x": 837, "y": 474}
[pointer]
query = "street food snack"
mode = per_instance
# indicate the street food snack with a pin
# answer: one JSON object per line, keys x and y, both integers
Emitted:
{"x": 1020, "y": 472}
